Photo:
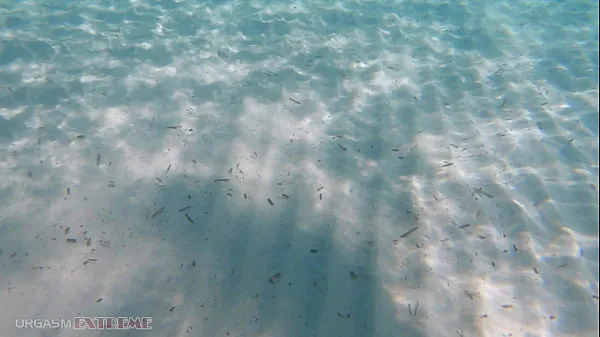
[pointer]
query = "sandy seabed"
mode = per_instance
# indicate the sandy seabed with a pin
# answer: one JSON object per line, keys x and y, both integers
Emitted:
{"x": 300, "y": 169}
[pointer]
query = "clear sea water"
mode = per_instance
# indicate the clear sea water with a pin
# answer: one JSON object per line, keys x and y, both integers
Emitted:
{"x": 300, "y": 168}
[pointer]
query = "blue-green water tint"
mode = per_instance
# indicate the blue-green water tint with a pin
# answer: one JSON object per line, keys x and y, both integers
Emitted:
{"x": 374, "y": 154}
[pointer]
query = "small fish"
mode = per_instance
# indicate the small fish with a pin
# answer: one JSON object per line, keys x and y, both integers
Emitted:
{"x": 98, "y": 159}
{"x": 245, "y": 196}
{"x": 70, "y": 240}
{"x": 80, "y": 136}
{"x": 275, "y": 278}
{"x": 168, "y": 168}
{"x": 189, "y": 219}
{"x": 185, "y": 208}
{"x": 285, "y": 196}
{"x": 270, "y": 201}
{"x": 173, "y": 127}
{"x": 293, "y": 100}
{"x": 342, "y": 147}
{"x": 221, "y": 180}
{"x": 464, "y": 226}
{"x": 320, "y": 189}
{"x": 447, "y": 164}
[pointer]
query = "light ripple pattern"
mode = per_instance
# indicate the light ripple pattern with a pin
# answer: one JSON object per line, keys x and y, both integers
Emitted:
{"x": 300, "y": 169}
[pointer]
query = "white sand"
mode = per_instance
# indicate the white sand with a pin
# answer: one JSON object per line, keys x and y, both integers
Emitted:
{"x": 389, "y": 94}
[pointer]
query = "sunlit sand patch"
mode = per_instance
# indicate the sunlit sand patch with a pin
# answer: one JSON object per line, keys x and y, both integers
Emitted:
{"x": 479, "y": 221}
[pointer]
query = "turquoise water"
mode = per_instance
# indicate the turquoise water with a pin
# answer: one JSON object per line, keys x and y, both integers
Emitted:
{"x": 300, "y": 168}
